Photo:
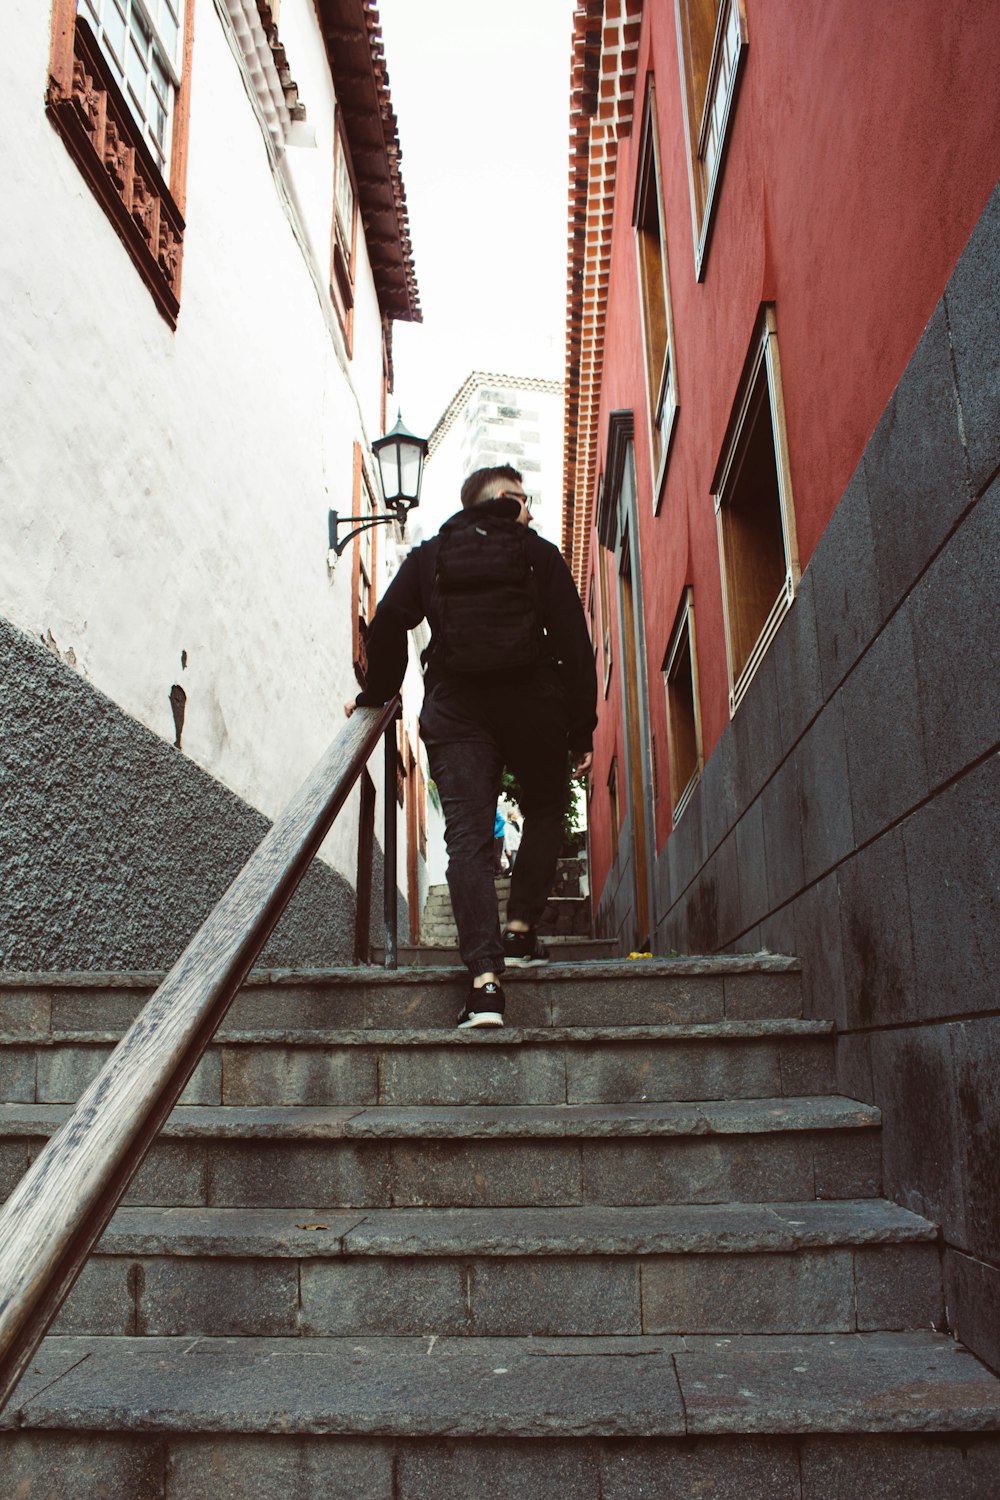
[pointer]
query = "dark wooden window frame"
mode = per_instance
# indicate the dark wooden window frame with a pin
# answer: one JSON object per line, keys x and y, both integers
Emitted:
{"x": 710, "y": 85}
{"x": 681, "y": 662}
{"x": 87, "y": 108}
{"x": 343, "y": 238}
{"x": 607, "y": 541}
{"x": 759, "y": 393}
{"x": 592, "y": 611}
{"x": 653, "y": 267}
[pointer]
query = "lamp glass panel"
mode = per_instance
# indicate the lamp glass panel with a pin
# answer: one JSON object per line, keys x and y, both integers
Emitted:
{"x": 410, "y": 459}
{"x": 388, "y": 462}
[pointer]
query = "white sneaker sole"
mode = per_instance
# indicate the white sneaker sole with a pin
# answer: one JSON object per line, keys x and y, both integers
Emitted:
{"x": 481, "y": 1018}
{"x": 523, "y": 963}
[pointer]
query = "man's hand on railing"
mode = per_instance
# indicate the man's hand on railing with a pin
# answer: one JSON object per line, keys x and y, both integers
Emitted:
{"x": 349, "y": 707}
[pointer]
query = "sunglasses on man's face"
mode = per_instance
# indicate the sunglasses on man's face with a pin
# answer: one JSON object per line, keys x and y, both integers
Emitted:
{"x": 524, "y": 500}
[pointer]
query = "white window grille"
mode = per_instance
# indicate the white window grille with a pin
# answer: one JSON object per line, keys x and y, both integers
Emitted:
{"x": 755, "y": 516}
{"x": 680, "y": 680}
{"x": 142, "y": 40}
{"x": 725, "y": 56}
{"x": 654, "y": 297}
{"x": 712, "y": 42}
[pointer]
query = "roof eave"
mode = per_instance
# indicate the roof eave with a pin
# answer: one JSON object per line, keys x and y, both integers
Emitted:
{"x": 352, "y": 35}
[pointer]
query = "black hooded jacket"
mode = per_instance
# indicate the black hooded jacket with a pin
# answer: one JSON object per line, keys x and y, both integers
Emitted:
{"x": 408, "y": 600}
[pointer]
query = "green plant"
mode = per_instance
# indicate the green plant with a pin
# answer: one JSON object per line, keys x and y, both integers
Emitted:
{"x": 574, "y": 834}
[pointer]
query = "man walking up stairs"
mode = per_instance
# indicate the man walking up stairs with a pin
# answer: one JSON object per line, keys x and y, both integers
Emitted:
{"x": 632, "y": 1246}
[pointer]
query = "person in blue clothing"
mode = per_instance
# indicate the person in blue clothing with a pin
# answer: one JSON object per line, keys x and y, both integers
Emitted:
{"x": 499, "y": 829}
{"x": 510, "y": 682}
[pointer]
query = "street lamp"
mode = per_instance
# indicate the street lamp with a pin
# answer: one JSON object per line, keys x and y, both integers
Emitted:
{"x": 400, "y": 465}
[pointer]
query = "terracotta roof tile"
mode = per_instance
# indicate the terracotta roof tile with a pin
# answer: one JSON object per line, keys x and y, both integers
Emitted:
{"x": 353, "y": 37}
{"x": 605, "y": 73}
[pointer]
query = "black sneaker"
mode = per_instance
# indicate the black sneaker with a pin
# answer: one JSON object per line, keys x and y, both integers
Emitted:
{"x": 522, "y": 950}
{"x": 484, "y": 1007}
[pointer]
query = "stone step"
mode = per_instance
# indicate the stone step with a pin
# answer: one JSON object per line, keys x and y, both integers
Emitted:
{"x": 562, "y": 950}
{"x": 563, "y": 914}
{"x": 821, "y": 1417}
{"x": 641, "y": 992}
{"x": 509, "y": 1065}
{"x": 466, "y": 1156}
{"x": 742, "y": 1268}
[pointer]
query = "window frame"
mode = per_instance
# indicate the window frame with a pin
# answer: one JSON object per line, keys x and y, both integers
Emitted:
{"x": 86, "y": 105}
{"x": 592, "y": 611}
{"x": 605, "y": 537}
{"x": 723, "y": 78}
{"x": 603, "y": 561}
{"x": 662, "y": 381}
{"x": 156, "y": 38}
{"x": 343, "y": 237}
{"x": 683, "y": 636}
{"x": 760, "y": 381}
{"x": 614, "y": 807}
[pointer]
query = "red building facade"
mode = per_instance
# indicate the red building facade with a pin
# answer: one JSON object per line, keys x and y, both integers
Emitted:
{"x": 782, "y": 444}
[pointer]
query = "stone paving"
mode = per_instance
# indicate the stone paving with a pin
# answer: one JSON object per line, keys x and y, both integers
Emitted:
{"x": 631, "y": 1245}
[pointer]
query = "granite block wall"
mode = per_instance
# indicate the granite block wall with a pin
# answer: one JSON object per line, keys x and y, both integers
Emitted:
{"x": 613, "y": 917}
{"x": 851, "y": 811}
{"x": 114, "y": 846}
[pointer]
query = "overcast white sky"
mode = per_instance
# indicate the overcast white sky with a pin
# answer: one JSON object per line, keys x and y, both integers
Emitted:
{"x": 481, "y": 93}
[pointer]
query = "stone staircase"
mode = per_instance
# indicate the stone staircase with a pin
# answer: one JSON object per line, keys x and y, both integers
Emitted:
{"x": 565, "y": 917}
{"x": 632, "y": 1245}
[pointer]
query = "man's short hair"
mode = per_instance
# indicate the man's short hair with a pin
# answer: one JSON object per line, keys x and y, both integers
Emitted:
{"x": 483, "y": 484}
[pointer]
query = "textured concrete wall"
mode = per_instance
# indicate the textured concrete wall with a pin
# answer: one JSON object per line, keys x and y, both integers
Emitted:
{"x": 849, "y": 813}
{"x": 114, "y": 846}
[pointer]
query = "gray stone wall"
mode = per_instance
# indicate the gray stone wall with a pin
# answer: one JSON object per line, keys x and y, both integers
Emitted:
{"x": 114, "y": 846}
{"x": 849, "y": 814}
{"x": 614, "y": 915}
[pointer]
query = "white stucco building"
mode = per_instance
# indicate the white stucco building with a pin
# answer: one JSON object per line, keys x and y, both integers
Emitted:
{"x": 205, "y": 247}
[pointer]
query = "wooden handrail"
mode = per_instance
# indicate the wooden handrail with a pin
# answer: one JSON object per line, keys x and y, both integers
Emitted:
{"x": 59, "y": 1209}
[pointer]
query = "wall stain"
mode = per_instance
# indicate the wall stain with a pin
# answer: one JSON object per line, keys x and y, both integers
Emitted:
{"x": 178, "y": 703}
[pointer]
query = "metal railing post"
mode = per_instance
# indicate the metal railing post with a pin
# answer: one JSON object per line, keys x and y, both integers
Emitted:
{"x": 366, "y": 844}
{"x": 58, "y": 1210}
{"x": 389, "y": 847}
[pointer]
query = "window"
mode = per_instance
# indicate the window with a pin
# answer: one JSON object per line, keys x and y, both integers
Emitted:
{"x": 712, "y": 39}
{"x": 614, "y": 811}
{"x": 602, "y": 574}
{"x": 592, "y": 616}
{"x": 142, "y": 41}
{"x": 345, "y": 235}
{"x": 680, "y": 679}
{"x": 755, "y": 519}
{"x": 654, "y": 295}
{"x": 118, "y": 95}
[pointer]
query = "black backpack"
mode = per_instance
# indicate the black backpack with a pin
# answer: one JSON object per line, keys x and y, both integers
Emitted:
{"x": 484, "y": 604}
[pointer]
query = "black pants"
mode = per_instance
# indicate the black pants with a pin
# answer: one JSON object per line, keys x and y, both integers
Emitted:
{"x": 472, "y": 732}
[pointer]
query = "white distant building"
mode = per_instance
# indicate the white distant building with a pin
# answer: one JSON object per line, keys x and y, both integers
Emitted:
{"x": 496, "y": 419}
